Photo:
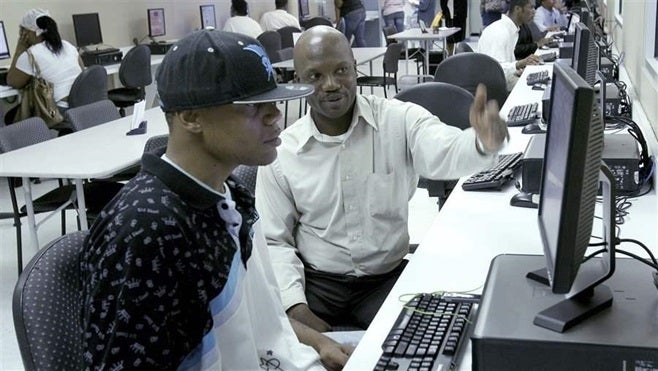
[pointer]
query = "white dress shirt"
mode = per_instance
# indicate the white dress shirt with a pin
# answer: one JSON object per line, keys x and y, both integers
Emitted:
{"x": 498, "y": 41}
{"x": 244, "y": 25}
{"x": 272, "y": 21}
{"x": 340, "y": 204}
{"x": 545, "y": 18}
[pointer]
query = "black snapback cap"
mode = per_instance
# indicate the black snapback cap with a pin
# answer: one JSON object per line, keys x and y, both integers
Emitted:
{"x": 211, "y": 67}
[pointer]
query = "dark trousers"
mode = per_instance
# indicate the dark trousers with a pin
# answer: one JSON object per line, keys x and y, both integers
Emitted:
{"x": 347, "y": 300}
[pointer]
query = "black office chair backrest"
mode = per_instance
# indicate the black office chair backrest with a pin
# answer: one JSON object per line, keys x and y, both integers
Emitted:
{"x": 449, "y": 102}
{"x": 135, "y": 68}
{"x": 286, "y": 36}
{"x": 92, "y": 114}
{"x": 392, "y": 56}
{"x": 271, "y": 41}
{"x": 285, "y": 53}
{"x": 24, "y": 133}
{"x": 47, "y": 306}
{"x": 388, "y": 31}
{"x": 90, "y": 86}
{"x": 247, "y": 176}
{"x": 470, "y": 69}
{"x": 463, "y": 47}
{"x": 317, "y": 21}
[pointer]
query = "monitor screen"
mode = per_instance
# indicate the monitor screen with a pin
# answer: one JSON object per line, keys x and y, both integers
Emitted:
{"x": 208, "y": 16}
{"x": 304, "y": 10}
{"x": 4, "y": 46}
{"x": 87, "y": 29}
{"x": 156, "y": 19}
{"x": 569, "y": 187}
{"x": 585, "y": 54}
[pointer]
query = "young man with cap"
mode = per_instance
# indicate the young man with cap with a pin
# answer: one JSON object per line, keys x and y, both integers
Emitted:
{"x": 335, "y": 201}
{"x": 175, "y": 270}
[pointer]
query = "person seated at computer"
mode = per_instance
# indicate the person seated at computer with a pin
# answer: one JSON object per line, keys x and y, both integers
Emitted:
{"x": 58, "y": 61}
{"x": 176, "y": 272}
{"x": 549, "y": 18}
{"x": 526, "y": 45}
{"x": 278, "y": 18}
{"x": 498, "y": 40}
{"x": 240, "y": 21}
{"x": 334, "y": 204}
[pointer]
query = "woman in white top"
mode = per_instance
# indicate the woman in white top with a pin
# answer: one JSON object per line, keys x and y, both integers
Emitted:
{"x": 57, "y": 59}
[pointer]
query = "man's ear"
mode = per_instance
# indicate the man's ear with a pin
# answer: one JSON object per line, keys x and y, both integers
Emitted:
{"x": 189, "y": 120}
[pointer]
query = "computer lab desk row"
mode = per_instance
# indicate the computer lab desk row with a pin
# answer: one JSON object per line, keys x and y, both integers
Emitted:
{"x": 474, "y": 227}
{"x": 112, "y": 71}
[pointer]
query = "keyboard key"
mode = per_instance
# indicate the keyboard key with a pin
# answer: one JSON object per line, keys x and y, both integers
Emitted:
{"x": 496, "y": 176}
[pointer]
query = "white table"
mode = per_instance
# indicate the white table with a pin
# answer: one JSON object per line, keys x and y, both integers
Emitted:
{"x": 361, "y": 55}
{"x": 427, "y": 38}
{"x": 97, "y": 152}
{"x": 470, "y": 230}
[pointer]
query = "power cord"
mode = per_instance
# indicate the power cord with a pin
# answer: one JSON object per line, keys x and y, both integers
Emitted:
{"x": 651, "y": 263}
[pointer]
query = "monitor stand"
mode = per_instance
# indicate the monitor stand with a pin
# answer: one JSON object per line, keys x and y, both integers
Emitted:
{"x": 587, "y": 296}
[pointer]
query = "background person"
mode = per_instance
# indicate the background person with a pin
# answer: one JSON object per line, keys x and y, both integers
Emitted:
{"x": 393, "y": 13}
{"x": 240, "y": 21}
{"x": 549, "y": 18}
{"x": 354, "y": 14}
{"x": 278, "y": 18}
{"x": 57, "y": 59}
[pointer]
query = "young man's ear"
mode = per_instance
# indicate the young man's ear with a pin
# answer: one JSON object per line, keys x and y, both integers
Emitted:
{"x": 189, "y": 121}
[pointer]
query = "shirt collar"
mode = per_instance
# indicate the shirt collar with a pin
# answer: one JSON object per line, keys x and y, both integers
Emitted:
{"x": 308, "y": 131}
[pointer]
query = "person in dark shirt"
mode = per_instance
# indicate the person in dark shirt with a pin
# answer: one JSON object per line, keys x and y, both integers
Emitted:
{"x": 526, "y": 45}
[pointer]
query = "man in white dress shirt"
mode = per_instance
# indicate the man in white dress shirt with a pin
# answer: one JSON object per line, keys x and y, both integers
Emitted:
{"x": 499, "y": 39}
{"x": 278, "y": 18}
{"x": 549, "y": 18}
{"x": 240, "y": 22}
{"x": 335, "y": 202}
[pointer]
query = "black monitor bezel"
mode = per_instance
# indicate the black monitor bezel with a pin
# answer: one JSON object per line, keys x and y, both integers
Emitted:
{"x": 6, "y": 55}
{"x": 82, "y": 34}
{"x": 201, "y": 11}
{"x": 164, "y": 23}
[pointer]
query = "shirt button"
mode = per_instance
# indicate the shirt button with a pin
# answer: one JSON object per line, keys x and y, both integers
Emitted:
{"x": 347, "y": 177}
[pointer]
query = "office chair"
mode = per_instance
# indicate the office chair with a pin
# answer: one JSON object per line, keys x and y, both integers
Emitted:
{"x": 156, "y": 143}
{"x": 390, "y": 64}
{"x": 316, "y": 21}
{"x": 463, "y": 47}
{"x": 470, "y": 69}
{"x": 415, "y": 54}
{"x": 271, "y": 41}
{"x": 47, "y": 306}
{"x": 90, "y": 86}
{"x": 135, "y": 75}
{"x": 92, "y": 114}
{"x": 286, "y": 36}
{"x": 247, "y": 176}
{"x": 452, "y": 105}
{"x": 22, "y": 134}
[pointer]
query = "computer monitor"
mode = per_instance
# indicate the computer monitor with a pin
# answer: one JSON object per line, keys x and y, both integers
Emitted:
{"x": 156, "y": 19}
{"x": 87, "y": 29}
{"x": 585, "y": 54}
{"x": 207, "y": 16}
{"x": 304, "y": 10}
{"x": 4, "y": 46}
{"x": 572, "y": 171}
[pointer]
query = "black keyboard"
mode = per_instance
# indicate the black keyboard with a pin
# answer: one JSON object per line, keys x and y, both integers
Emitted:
{"x": 523, "y": 114}
{"x": 540, "y": 77}
{"x": 101, "y": 51}
{"x": 497, "y": 175}
{"x": 553, "y": 44}
{"x": 428, "y": 333}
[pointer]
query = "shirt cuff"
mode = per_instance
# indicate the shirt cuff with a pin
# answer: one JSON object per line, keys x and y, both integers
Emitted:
{"x": 479, "y": 147}
{"x": 292, "y": 297}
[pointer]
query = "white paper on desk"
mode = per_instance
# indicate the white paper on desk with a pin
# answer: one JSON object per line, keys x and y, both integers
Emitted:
{"x": 351, "y": 338}
{"x": 138, "y": 114}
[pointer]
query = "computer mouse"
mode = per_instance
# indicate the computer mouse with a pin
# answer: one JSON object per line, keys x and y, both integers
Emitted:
{"x": 532, "y": 128}
{"x": 545, "y": 47}
{"x": 524, "y": 199}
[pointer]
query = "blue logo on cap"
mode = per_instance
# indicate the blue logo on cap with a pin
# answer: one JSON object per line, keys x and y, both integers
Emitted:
{"x": 263, "y": 59}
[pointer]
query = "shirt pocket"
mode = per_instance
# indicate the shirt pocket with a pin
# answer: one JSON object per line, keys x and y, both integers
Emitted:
{"x": 387, "y": 208}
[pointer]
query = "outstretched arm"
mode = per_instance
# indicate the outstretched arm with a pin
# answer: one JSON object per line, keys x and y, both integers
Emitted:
{"x": 334, "y": 355}
{"x": 485, "y": 118}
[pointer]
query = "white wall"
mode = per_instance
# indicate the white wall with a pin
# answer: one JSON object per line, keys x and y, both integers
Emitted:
{"x": 123, "y": 20}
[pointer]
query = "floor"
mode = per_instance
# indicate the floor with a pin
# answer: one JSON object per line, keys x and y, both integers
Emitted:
{"x": 423, "y": 209}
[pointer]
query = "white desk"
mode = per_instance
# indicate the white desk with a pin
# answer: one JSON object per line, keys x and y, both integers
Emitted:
{"x": 361, "y": 55}
{"x": 470, "y": 230}
{"x": 97, "y": 152}
{"x": 426, "y": 38}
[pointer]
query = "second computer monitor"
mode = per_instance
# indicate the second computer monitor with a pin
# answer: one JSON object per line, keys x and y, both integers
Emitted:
{"x": 4, "y": 46}
{"x": 585, "y": 54}
{"x": 156, "y": 19}
{"x": 87, "y": 29}
{"x": 208, "y": 16}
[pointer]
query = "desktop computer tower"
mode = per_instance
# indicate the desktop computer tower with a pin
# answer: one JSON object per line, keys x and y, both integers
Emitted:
{"x": 102, "y": 57}
{"x": 565, "y": 50}
{"x": 159, "y": 47}
{"x": 620, "y": 154}
{"x": 622, "y": 337}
